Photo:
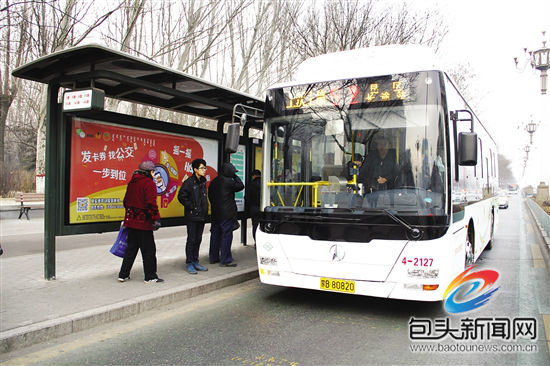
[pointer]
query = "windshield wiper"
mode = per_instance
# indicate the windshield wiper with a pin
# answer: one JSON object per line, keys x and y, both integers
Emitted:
{"x": 414, "y": 232}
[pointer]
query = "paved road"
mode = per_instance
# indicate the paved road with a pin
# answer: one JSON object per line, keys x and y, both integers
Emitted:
{"x": 255, "y": 324}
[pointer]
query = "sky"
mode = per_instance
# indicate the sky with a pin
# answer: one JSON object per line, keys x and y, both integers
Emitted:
{"x": 488, "y": 34}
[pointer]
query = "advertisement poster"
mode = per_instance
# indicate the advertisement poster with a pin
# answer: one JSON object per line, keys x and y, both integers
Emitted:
{"x": 239, "y": 161}
{"x": 104, "y": 156}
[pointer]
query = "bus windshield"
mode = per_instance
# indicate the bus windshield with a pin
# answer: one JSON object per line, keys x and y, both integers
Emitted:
{"x": 355, "y": 146}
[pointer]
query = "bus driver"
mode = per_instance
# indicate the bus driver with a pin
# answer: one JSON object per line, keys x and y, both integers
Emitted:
{"x": 380, "y": 170}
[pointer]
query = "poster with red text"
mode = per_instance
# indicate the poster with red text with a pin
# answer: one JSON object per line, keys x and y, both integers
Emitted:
{"x": 104, "y": 156}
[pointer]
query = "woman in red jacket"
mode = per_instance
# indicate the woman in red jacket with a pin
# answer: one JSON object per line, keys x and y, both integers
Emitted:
{"x": 142, "y": 217}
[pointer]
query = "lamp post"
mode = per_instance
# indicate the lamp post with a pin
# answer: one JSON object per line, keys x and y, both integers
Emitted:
{"x": 531, "y": 128}
{"x": 527, "y": 148}
{"x": 540, "y": 60}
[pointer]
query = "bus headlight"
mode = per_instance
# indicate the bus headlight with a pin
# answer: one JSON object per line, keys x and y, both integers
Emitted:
{"x": 269, "y": 227}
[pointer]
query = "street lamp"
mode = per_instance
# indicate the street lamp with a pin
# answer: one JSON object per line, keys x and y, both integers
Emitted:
{"x": 540, "y": 60}
{"x": 531, "y": 127}
{"x": 527, "y": 148}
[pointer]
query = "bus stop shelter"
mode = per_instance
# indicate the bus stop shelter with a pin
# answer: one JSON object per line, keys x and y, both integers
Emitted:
{"x": 87, "y": 75}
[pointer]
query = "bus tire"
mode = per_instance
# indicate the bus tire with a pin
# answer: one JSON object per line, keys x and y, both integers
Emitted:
{"x": 492, "y": 237}
{"x": 469, "y": 246}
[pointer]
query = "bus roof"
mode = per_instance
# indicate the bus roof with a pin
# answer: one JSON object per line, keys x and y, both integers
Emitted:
{"x": 367, "y": 62}
{"x": 364, "y": 62}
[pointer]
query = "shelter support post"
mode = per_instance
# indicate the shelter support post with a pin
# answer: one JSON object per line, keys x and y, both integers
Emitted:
{"x": 248, "y": 169}
{"x": 51, "y": 196}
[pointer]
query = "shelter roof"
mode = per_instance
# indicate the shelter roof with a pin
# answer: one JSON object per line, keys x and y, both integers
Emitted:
{"x": 130, "y": 78}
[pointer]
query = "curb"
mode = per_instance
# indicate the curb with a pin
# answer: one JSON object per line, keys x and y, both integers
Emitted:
{"x": 39, "y": 332}
{"x": 543, "y": 233}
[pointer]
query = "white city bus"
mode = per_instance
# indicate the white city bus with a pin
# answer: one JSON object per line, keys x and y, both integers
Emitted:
{"x": 329, "y": 222}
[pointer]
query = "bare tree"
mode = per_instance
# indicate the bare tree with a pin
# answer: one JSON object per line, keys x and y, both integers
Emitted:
{"x": 32, "y": 30}
{"x": 463, "y": 74}
{"x": 183, "y": 35}
{"x": 243, "y": 44}
{"x": 13, "y": 52}
{"x": 348, "y": 24}
{"x": 21, "y": 151}
{"x": 259, "y": 54}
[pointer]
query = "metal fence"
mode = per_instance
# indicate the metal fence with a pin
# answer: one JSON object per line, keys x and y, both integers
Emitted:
{"x": 542, "y": 217}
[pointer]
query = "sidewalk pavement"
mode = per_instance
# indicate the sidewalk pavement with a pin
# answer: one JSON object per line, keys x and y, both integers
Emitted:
{"x": 86, "y": 292}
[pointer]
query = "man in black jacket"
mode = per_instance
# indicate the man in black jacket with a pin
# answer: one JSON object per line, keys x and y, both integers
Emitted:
{"x": 224, "y": 214}
{"x": 252, "y": 200}
{"x": 380, "y": 171}
{"x": 192, "y": 196}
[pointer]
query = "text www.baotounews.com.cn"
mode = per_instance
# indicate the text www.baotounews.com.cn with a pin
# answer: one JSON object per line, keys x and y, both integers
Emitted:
{"x": 473, "y": 335}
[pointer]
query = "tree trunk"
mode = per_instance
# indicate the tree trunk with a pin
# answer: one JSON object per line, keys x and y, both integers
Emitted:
{"x": 5, "y": 102}
{"x": 41, "y": 143}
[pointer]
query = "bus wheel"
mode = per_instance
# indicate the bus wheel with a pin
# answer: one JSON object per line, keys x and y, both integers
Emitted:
{"x": 469, "y": 248}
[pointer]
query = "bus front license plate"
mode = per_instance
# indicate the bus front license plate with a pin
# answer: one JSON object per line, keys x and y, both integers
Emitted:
{"x": 332, "y": 284}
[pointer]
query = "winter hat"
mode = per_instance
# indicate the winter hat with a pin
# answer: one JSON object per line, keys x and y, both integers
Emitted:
{"x": 147, "y": 165}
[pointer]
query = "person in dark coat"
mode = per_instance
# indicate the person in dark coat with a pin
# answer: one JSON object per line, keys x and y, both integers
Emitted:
{"x": 141, "y": 218}
{"x": 192, "y": 196}
{"x": 380, "y": 171}
{"x": 224, "y": 214}
{"x": 252, "y": 199}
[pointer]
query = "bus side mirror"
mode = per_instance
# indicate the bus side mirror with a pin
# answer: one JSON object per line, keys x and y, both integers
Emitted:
{"x": 232, "y": 137}
{"x": 467, "y": 148}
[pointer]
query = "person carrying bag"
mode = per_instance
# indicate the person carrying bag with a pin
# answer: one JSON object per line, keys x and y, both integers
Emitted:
{"x": 141, "y": 218}
{"x": 121, "y": 242}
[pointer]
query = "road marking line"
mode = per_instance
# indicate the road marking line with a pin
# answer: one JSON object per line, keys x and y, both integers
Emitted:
{"x": 546, "y": 320}
{"x": 538, "y": 260}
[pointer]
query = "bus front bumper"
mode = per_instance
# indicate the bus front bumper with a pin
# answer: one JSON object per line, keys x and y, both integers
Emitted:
{"x": 431, "y": 291}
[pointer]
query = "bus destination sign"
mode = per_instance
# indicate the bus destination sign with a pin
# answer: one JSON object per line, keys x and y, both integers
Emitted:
{"x": 347, "y": 93}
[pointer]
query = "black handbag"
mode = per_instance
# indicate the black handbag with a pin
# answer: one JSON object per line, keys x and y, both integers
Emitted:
{"x": 236, "y": 225}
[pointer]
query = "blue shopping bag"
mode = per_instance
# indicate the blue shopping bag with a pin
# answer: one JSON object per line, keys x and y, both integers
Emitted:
{"x": 121, "y": 242}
